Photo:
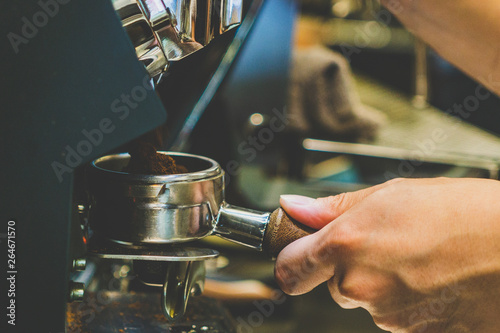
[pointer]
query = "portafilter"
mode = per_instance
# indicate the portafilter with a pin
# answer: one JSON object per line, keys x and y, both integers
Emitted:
{"x": 149, "y": 218}
{"x": 140, "y": 209}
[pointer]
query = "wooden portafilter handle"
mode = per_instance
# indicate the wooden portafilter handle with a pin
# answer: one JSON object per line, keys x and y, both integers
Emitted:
{"x": 281, "y": 231}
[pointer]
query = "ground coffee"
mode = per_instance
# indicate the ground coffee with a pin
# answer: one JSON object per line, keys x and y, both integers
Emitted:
{"x": 145, "y": 160}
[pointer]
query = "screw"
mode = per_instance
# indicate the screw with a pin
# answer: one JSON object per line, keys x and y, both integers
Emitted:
{"x": 82, "y": 209}
{"x": 79, "y": 264}
{"x": 76, "y": 291}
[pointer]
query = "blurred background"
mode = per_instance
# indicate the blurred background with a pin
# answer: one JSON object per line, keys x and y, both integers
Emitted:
{"x": 311, "y": 97}
{"x": 362, "y": 101}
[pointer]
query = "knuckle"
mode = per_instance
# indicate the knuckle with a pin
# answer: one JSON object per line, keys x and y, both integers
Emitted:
{"x": 395, "y": 180}
{"x": 338, "y": 296}
{"x": 349, "y": 290}
{"x": 310, "y": 263}
{"x": 281, "y": 277}
{"x": 327, "y": 250}
{"x": 444, "y": 180}
{"x": 385, "y": 323}
{"x": 339, "y": 201}
{"x": 286, "y": 280}
{"x": 356, "y": 287}
{"x": 346, "y": 291}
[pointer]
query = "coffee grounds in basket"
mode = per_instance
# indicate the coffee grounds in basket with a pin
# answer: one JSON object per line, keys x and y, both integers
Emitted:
{"x": 145, "y": 160}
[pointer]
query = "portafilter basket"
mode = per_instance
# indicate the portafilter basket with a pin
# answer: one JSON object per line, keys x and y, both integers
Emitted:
{"x": 139, "y": 210}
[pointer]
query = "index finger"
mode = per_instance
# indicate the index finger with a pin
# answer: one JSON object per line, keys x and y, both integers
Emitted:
{"x": 306, "y": 263}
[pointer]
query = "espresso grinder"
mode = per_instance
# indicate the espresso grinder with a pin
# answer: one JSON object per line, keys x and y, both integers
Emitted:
{"x": 151, "y": 219}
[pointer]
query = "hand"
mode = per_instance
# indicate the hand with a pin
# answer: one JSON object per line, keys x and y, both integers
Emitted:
{"x": 419, "y": 255}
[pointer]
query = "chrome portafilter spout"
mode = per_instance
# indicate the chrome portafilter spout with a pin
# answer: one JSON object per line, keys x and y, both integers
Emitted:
{"x": 179, "y": 281}
{"x": 152, "y": 217}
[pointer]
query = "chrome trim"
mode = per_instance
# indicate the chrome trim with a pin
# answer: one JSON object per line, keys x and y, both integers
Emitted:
{"x": 163, "y": 31}
{"x": 440, "y": 157}
{"x": 243, "y": 226}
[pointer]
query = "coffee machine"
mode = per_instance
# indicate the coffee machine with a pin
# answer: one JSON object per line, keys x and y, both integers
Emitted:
{"x": 79, "y": 81}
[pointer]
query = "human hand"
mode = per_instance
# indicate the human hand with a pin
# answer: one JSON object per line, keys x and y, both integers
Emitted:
{"x": 420, "y": 255}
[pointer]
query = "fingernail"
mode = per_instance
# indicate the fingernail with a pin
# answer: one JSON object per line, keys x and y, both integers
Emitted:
{"x": 297, "y": 199}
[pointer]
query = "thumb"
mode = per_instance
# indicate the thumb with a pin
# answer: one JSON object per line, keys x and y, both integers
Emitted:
{"x": 316, "y": 213}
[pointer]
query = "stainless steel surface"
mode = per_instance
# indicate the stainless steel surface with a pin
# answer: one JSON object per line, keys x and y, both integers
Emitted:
{"x": 76, "y": 291}
{"x": 182, "y": 137}
{"x": 402, "y": 154}
{"x": 182, "y": 280}
{"x": 163, "y": 31}
{"x": 105, "y": 249}
{"x": 243, "y": 226}
{"x": 409, "y": 128}
{"x": 150, "y": 209}
{"x": 134, "y": 210}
